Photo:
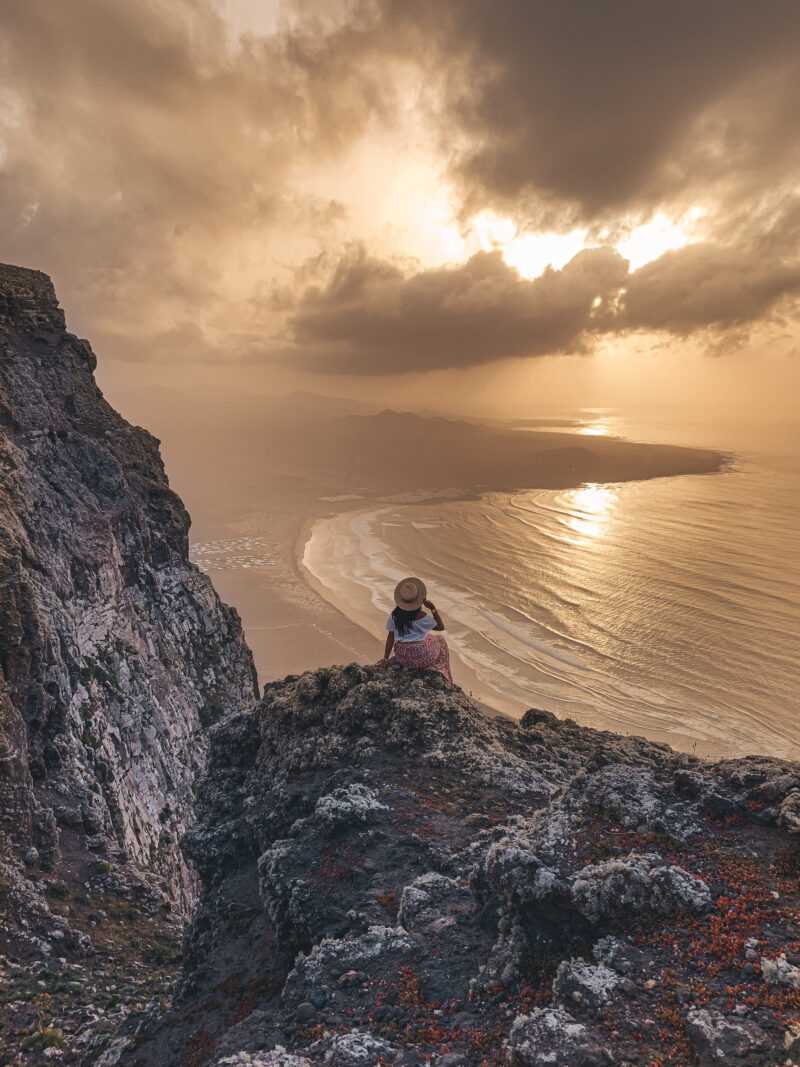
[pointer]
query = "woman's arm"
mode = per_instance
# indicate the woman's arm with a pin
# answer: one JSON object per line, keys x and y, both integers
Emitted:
{"x": 437, "y": 618}
{"x": 389, "y": 646}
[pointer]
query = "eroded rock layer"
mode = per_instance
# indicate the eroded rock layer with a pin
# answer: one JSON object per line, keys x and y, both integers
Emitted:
{"x": 390, "y": 877}
{"x": 115, "y": 652}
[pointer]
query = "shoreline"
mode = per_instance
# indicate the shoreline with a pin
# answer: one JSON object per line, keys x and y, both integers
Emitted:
{"x": 295, "y": 622}
{"x": 488, "y": 699}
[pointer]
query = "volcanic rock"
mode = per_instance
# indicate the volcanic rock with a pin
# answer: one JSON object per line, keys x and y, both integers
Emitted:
{"x": 351, "y": 900}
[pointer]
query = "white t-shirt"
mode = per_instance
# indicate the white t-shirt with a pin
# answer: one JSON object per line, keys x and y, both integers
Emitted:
{"x": 417, "y": 631}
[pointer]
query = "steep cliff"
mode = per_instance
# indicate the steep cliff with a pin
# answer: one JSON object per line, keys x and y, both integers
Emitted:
{"x": 389, "y": 877}
{"x": 115, "y": 652}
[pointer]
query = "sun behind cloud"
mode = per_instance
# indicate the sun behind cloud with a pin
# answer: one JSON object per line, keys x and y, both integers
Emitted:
{"x": 661, "y": 234}
{"x": 532, "y": 253}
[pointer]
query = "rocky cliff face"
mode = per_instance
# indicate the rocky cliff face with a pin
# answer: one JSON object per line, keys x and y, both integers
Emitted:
{"x": 389, "y": 877}
{"x": 115, "y": 653}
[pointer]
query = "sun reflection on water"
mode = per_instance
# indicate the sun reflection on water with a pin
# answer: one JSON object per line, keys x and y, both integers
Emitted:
{"x": 595, "y": 429}
{"x": 591, "y": 507}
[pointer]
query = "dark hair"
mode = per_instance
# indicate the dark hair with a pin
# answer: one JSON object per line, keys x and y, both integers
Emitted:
{"x": 403, "y": 619}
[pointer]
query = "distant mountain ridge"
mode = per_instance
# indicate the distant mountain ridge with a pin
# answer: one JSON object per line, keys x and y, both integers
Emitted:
{"x": 233, "y": 455}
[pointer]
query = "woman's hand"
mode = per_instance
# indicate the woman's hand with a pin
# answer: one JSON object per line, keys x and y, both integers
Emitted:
{"x": 437, "y": 618}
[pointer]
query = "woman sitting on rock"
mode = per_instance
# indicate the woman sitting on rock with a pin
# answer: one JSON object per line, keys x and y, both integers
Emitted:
{"x": 414, "y": 635}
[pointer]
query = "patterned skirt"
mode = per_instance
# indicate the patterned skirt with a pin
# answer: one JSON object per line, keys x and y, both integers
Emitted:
{"x": 431, "y": 654}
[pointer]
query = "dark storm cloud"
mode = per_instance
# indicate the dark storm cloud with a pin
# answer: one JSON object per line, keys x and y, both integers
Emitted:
{"x": 371, "y": 318}
{"x": 706, "y": 286}
{"x": 595, "y": 108}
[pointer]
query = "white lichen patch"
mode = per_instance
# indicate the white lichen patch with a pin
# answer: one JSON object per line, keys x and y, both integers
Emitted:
{"x": 432, "y": 899}
{"x": 278, "y": 1057}
{"x": 357, "y": 1049}
{"x": 780, "y": 972}
{"x": 638, "y": 883}
{"x": 552, "y": 1036}
{"x": 589, "y": 984}
{"x": 351, "y": 952}
{"x": 354, "y": 803}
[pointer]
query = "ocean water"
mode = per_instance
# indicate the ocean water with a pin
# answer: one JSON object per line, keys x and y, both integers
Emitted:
{"x": 668, "y": 608}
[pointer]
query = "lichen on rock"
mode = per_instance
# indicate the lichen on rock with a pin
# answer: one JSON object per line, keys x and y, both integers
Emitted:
{"x": 433, "y": 902}
{"x": 719, "y": 1039}
{"x": 634, "y": 884}
{"x": 551, "y": 1036}
{"x": 278, "y": 1057}
{"x": 401, "y": 892}
{"x": 333, "y": 956}
{"x": 357, "y": 1049}
{"x": 780, "y": 972}
{"x": 354, "y": 803}
{"x": 579, "y": 985}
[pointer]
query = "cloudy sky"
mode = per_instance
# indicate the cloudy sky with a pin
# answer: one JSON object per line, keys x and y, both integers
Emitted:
{"x": 495, "y": 204}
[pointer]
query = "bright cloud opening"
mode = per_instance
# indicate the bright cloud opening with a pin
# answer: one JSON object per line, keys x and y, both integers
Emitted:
{"x": 529, "y": 253}
{"x": 532, "y": 253}
{"x": 652, "y": 239}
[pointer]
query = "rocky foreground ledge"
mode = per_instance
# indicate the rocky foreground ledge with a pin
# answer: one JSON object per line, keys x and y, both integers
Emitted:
{"x": 389, "y": 877}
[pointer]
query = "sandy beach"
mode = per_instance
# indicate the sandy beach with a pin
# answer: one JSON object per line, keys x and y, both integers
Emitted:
{"x": 289, "y": 627}
{"x": 292, "y": 622}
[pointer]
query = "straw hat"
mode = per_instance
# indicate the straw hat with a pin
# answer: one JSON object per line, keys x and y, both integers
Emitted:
{"x": 410, "y": 594}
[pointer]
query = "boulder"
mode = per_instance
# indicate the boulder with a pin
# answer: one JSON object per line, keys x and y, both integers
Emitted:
{"x": 551, "y": 1037}
{"x": 639, "y": 883}
{"x": 584, "y": 987}
{"x": 720, "y": 1039}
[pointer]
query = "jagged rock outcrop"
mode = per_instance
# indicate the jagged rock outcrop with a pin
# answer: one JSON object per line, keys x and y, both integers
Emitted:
{"x": 391, "y": 877}
{"x": 115, "y": 653}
